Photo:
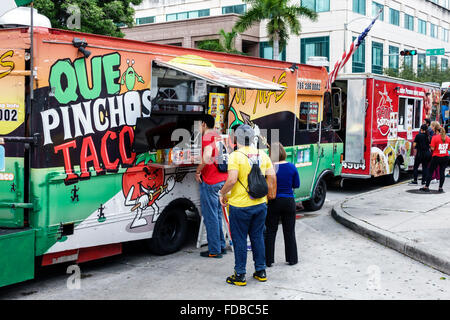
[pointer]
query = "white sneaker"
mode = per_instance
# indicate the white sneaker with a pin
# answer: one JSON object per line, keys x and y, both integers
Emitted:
{"x": 434, "y": 181}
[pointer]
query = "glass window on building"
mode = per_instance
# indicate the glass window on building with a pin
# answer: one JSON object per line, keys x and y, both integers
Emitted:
{"x": 203, "y": 13}
{"x": 376, "y": 7}
{"x": 359, "y": 6}
{"x": 238, "y": 9}
{"x": 422, "y": 26}
{"x": 394, "y": 17}
{"x": 314, "y": 47}
{"x": 421, "y": 61}
{"x": 182, "y": 15}
{"x": 393, "y": 57}
{"x": 433, "y": 62}
{"x": 444, "y": 64}
{"x": 433, "y": 30}
{"x": 377, "y": 57}
{"x": 171, "y": 17}
{"x": 444, "y": 35}
{"x": 193, "y": 14}
{"x": 317, "y": 5}
{"x": 408, "y": 62}
{"x": 359, "y": 58}
{"x": 266, "y": 51}
{"x": 187, "y": 15}
{"x": 409, "y": 22}
{"x": 145, "y": 20}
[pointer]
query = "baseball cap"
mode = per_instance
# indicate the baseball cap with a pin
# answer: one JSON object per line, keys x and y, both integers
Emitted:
{"x": 244, "y": 133}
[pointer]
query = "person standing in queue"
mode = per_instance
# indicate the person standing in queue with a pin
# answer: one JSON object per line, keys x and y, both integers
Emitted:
{"x": 211, "y": 181}
{"x": 423, "y": 154}
{"x": 247, "y": 214}
{"x": 283, "y": 206}
{"x": 439, "y": 146}
{"x": 432, "y": 132}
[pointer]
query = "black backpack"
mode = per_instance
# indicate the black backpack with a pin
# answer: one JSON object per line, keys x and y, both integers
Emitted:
{"x": 257, "y": 184}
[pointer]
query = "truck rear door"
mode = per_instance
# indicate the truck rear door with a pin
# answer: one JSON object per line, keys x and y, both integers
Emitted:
{"x": 12, "y": 127}
{"x": 355, "y": 126}
{"x": 17, "y": 241}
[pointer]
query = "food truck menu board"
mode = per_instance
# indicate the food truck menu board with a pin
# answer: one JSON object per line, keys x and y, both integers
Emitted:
{"x": 217, "y": 109}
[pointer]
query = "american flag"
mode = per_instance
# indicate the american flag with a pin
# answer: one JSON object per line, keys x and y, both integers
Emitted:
{"x": 346, "y": 56}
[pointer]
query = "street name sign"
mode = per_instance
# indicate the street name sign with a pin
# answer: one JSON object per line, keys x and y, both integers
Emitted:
{"x": 436, "y": 52}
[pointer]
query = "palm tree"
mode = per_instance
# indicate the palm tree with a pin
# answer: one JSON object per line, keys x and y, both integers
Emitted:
{"x": 283, "y": 20}
{"x": 224, "y": 44}
{"x": 228, "y": 39}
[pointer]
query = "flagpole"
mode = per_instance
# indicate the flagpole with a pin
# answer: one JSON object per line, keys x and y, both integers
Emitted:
{"x": 346, "y": 55}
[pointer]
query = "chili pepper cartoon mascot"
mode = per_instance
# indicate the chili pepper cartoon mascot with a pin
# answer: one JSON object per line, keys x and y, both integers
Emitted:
{"x": 142, "y": 186}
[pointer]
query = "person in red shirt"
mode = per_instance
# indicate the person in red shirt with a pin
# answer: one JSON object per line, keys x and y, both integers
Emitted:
{"x": 439, "y": 146}
{"x": 211, "y": 181}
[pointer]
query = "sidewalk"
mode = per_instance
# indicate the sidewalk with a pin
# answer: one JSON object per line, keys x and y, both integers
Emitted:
{"x": 402, "y": 218}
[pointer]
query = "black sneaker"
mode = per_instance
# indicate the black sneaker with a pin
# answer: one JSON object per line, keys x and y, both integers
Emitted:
{"x": 260, "y": 275}
{"x": 441, "y": 190}
{"x": 206, "y": 254}
{"x": 413, "y": 182}
{"x": 425, "y": 189}
{"x": 237, "y": 279}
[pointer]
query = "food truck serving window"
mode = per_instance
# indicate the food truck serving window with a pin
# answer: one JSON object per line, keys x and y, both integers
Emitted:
{"x": 175, "y": 91}
{"x": 179, "y": 101}
{"x": 158, "y": 131}
{"x": 409, "y": 113}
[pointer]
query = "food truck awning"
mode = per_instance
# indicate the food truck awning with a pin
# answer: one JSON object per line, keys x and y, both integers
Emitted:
{"x": 223, "y": 77}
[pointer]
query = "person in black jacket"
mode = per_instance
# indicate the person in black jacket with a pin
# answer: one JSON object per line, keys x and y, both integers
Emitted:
{"x": 423, "y": 154}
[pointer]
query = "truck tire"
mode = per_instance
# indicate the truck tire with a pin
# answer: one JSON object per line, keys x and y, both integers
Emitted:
{"x": 394, "y": 177}
{"x": 318, "y": 198}
{"x": 169, "y": 233}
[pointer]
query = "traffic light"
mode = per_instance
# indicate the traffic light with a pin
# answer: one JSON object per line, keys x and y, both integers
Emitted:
{"x": 408, "y": 52}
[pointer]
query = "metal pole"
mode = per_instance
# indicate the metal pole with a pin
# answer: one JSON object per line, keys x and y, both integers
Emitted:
{"x": 30, "y": 108}
{"x": 32, "y": 57}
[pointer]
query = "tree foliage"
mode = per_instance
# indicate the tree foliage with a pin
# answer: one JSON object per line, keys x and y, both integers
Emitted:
{"x": 426, "y": 74}
{"x": 283, "y": 20}
{"x": 225, "y": 43}
{"x": 96, "y": 16}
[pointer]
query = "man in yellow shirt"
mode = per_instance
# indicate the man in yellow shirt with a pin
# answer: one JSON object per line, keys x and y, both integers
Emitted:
{"x": 247, "y": 215}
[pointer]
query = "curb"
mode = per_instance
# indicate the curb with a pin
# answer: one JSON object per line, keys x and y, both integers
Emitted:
{"x": 391, "y": 240}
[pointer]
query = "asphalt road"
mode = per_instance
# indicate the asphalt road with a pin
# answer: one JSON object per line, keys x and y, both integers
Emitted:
{"x": 335, "y": 263}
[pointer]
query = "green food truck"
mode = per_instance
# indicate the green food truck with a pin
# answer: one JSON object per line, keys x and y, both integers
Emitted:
{"x": 87, "y": 156}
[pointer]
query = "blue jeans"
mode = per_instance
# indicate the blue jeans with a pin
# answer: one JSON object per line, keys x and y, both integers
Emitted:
{"x": 212, "y": 216}
{"x": 251, "y": 221}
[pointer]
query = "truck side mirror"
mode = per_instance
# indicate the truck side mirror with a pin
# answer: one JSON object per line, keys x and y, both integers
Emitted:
{"x": 337, "y": 99}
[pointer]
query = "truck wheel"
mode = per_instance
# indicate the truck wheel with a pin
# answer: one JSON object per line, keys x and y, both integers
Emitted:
{"x": 394, "y": 177}
{"x": 318, "y": 198}
{"x": 169, "y": 233}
